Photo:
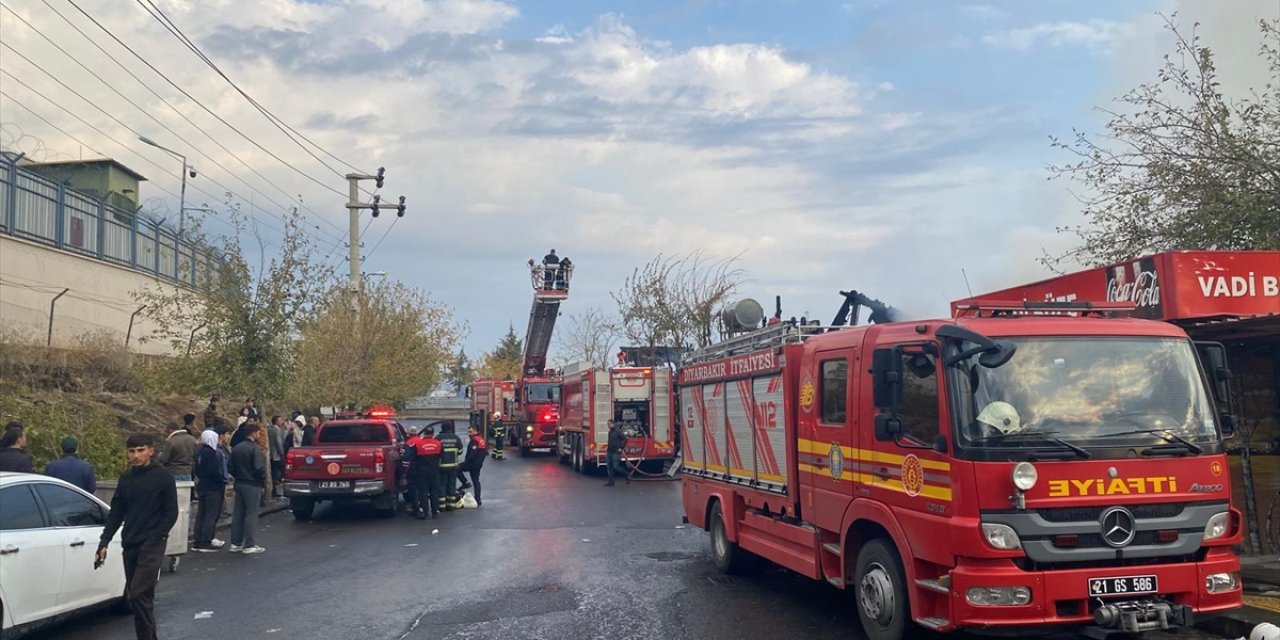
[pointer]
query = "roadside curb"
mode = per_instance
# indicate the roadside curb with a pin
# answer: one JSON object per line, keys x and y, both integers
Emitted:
{"x": 274, "y": 506}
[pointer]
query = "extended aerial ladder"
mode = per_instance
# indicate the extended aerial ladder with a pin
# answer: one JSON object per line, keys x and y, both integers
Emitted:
{"x": 538, "y": 390}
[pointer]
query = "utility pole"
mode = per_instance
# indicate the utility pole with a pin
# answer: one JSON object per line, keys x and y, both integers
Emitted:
{"x": 355, "y": 280}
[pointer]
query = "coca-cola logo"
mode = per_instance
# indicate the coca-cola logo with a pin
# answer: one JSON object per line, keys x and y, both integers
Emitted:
{"x": 1137, "y": 282}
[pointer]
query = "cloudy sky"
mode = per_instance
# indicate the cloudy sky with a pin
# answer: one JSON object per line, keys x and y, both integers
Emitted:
{"x": 875, "y": 145}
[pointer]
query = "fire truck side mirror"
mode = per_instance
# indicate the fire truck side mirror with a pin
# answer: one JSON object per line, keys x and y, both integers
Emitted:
{"x": 886, "y": 379}
{"x": 1213, "y": 357}
{"x": 888, "y": 427}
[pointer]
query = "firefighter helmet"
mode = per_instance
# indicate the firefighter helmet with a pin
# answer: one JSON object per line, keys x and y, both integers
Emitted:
{"x": 1001, "y": 416}
{"x": 497, "y": 415}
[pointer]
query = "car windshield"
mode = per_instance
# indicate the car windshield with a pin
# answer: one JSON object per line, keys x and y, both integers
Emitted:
{"x": 1089, "y": 391}
{"x": 372, "y": 433}
{"x": 544, "y": 392}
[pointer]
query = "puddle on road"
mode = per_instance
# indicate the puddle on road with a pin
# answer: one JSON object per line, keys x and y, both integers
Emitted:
{"x": 670, "y": 556}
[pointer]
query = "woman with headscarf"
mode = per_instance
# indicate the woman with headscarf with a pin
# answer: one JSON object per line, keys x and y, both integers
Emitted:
{"x": 211, "y": 485}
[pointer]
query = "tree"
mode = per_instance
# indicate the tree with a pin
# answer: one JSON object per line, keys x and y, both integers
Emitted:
{"x": 588, "y": 337}
{"x": 237, "y": 329}
{"x": 461, "y": 373}
{"x": 506, "y": 359}
{"x": 386, "y": 344}
{"x": 1179, "y": 165}
{"x": 673, "y": 302}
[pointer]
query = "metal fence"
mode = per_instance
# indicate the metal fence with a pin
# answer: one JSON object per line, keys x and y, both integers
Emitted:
{"x": 38, "y": 209}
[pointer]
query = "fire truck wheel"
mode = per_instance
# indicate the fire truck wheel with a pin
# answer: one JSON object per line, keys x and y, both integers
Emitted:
{"x": 726, "y": 555}
{"x": 576, "y": 447}
{"x": 302, "y": 508}
{"x": 881, "y": 592}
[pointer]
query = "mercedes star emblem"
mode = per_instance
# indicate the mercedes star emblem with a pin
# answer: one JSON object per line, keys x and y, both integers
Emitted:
{"x": 1118, "y": 527}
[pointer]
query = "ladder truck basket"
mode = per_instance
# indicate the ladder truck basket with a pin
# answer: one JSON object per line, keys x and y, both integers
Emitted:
{"x": 551, "y": 279}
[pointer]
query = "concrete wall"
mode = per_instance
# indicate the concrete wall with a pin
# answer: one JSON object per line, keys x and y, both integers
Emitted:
{"x": 100, "y": 295}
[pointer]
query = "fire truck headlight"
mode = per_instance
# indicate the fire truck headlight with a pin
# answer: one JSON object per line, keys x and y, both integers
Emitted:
{"x": 1217, "y": 525}
{"x": 1025, "y": 476}
{"x": 1001, "y": 536}
{"x": 1220, "y": 582}
{"x": 998, "y": 596}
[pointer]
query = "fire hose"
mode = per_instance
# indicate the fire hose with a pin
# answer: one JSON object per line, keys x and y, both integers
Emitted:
{"x": 635, "y": 466}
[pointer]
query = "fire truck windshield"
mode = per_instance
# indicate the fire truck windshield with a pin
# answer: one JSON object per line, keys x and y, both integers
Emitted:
{"x": 1092, "y": 392}
{"x": 543, "y": 392}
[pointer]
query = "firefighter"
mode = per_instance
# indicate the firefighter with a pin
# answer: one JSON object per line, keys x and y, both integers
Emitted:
{"x": 497, "y": 435}
{"x": 424, "y": 473}
{"x": 450, "y": 457}
{"x": 476, "y": 454}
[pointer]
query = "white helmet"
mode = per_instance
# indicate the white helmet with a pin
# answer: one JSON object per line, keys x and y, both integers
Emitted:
{"x": 1265, "y": 631}
{"x": 497, "y": 415}
{"x": 1000, "y": 416}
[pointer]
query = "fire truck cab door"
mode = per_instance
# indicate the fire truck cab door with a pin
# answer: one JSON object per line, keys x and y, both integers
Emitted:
{"x": 828, "y": 443}
{"x": 909, "y": 474}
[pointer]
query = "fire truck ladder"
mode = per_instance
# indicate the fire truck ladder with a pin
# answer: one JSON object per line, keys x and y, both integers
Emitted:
{"x": 775, "y": 336}
{"x": 550, "y": 288}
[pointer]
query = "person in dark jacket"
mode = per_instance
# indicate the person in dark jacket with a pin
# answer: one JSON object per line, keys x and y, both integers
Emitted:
{"x": 275, "y": 453}
{"x": 71, "y": 468}
{"x": 450, "y": 460}
{"x": 179, "y": 451}
{"x": 13, "y": 455}
{"x": 477, "y": 451}
{"x": 211, "y": 487}
{"x": 249, "y": 470}
{"x": 617, "y": 441}
{"x": 211, "y": 417}
{"x": 146, "y": 502}
{"x": 424, "y": 472}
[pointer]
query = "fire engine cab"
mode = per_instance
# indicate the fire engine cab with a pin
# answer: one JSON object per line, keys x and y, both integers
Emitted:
{"x": 1018, "y": 467}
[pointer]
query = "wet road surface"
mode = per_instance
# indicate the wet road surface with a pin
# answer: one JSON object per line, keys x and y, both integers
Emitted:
{"x": 551, "y": 554}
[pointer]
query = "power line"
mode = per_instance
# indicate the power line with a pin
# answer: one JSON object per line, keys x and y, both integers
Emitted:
{"x": 201, "y": 104}
{"x": 64, "y": 131}
{"x": 103, "y": 133}
{"x": 384, "y": 236}
{"x": 174, "y": 30}
{"x": 171, "y": 107}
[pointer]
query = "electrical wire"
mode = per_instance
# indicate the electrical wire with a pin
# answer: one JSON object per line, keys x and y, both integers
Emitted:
{"x": 174, "y": 30}
{"x": 201, "y": 104}
{"x": 168, "y": 104}
{"x": 384, "y": 237}
{"x": 104, "y": 134}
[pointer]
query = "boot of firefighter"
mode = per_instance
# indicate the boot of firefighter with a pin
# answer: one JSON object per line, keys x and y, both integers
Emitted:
{"x": 456, "y": 502}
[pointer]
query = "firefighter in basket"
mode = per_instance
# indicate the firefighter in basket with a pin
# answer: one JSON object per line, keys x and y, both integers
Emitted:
{"x": 497, "y": 436}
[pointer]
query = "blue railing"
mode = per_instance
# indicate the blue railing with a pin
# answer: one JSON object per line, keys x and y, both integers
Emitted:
{"x": 41, "y": 210}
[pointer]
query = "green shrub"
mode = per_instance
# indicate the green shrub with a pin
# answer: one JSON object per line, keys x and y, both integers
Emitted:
{"x": 46, "y": 423}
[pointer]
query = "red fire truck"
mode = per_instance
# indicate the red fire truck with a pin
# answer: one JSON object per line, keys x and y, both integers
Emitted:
{"x": 638, "y": 399}
{"x": 537, "y": 392}
{"x": 493, "y": 402}
{"x": 1022, "y": 466}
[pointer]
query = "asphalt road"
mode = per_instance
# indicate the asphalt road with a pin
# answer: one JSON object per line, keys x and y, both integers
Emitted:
{"x": 550, "y": 555}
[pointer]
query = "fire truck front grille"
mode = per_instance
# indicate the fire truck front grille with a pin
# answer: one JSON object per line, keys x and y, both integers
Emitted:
{"x": 1074, "y": 535}
{"x": 1092, "y": 514}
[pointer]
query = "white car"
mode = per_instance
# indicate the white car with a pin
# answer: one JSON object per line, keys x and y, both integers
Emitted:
{"x": 49, "y": 532}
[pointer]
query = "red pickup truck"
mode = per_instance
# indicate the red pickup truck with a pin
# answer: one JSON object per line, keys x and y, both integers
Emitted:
{"x": 354, "y": 459}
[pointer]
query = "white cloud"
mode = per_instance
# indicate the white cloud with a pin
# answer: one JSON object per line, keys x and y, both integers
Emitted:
{"x": 1098, "y": 35}
{"x": 607, "y": 144}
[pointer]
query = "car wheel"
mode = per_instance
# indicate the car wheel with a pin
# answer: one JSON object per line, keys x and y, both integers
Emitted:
{"x": 386, "y": 505}
{"x": 881, "y": 591}
{"x": 302, "y": 508}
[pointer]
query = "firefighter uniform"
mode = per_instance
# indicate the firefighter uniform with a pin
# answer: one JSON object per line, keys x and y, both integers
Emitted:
{"x": 497, "y": 435}
{"x": 424, "y": 474}
{"x": 450, "y": 459}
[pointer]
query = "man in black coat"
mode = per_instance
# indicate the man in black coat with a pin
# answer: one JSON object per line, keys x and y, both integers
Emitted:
{"x": 146, "y": 503}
